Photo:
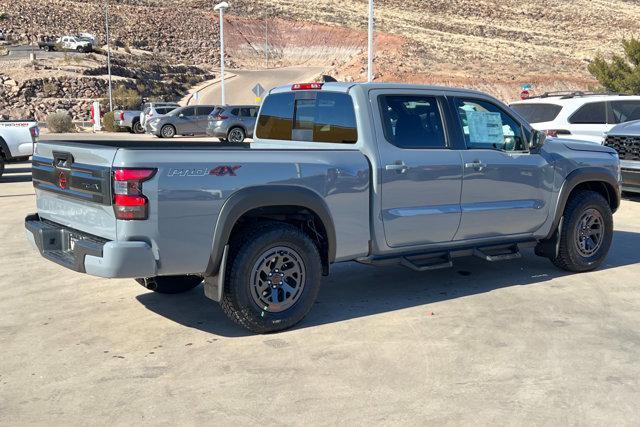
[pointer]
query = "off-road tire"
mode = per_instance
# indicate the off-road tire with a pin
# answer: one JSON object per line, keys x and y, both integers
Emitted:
{"x": 170, "y": 284}
{"x": 568, "y": 255}
{"x": 168, "y": 131}
{"x": 246, "y": 250}
{"x": 1, "y": 165}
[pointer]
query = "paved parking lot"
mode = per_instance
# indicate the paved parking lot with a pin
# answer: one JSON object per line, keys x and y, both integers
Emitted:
{"x": 509, "y": 343}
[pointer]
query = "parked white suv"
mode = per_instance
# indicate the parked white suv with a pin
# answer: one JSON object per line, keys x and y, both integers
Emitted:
{"x": 17, "y": 138}
{"x": 583, "y": 116}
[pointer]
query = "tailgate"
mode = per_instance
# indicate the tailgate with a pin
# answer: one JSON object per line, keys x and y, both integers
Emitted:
{"x": 73, "y": 186}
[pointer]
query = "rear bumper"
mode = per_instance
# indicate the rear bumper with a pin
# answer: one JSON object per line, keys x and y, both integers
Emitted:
{"x": 217, "y": 131}
{"x": 89, "y": 254}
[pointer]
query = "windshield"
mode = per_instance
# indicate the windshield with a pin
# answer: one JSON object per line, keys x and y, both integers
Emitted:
{"x": 538, "y": 113}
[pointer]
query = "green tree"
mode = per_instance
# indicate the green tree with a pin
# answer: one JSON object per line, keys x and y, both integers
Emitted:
{"x": 622, "y": 73}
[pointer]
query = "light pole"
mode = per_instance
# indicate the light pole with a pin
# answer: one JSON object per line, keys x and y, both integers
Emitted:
{"x": 106, "y": 24}
{"x": 370, "y": 59}
{"x": 221, "y": 7}
{"x": 266, "y": 39}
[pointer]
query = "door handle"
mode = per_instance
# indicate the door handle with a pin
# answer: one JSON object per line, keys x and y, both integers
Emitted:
{"x": 398, "y": 167}
{"x": 477, "y": 165}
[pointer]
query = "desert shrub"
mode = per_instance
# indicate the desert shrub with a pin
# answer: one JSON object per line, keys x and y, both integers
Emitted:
{"x": 49, "y": 89}
{"x": 60, "y": 122}
{"x": 621, "y": 73}
{"x": 128, "y": 99}
{"x": 3, "y": 16}
{"x": 127, "y": 49}
{"x": 109, "y": 123}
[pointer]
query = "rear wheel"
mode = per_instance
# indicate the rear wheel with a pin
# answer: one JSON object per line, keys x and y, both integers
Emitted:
{"x": 137, "y": 127}
{"x": 585, "y": 233}
{"x": 1, "y": 165}
{"x": 170, "y": 284}
{"x": 236, "y": 135}
{"x": 168, "y": 131}
{"x": 273, "y": 278}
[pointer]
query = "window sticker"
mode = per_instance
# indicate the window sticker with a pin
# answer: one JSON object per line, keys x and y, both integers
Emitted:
{"x": 485, "y": 128}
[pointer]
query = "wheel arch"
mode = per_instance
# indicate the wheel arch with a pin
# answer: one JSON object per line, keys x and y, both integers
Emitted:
{"x": 4, "y": 149}
{"x": 595, "y": 179}
{"x": 284, "y": 203}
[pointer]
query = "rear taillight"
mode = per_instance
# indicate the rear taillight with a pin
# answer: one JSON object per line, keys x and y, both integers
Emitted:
{"x": 35, "y": 132}
{"x": 128, "y": 201}
{"x": 220, "y": 117}
{"x": 554, "y": 133}
{"x": 306, "y": 86}
{"x": 121, "y": 116}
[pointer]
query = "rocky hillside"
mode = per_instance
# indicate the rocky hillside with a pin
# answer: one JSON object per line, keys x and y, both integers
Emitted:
{"x": 488, "y": 44}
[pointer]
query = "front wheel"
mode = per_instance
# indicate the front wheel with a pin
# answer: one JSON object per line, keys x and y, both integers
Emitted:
{"x": 585, "y": 234}
{"x": 170, "y": 284}
{"x": 273, "y": 278}
{"x": 1, "y": 165}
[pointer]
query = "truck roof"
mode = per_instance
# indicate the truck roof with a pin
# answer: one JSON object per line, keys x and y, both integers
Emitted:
{"x": 345, "y": 87}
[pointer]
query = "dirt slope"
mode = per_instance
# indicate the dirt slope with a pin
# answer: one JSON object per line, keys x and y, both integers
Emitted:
{"x": 493, "y": 45}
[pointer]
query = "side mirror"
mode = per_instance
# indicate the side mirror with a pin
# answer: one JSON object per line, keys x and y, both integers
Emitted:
{"x": 537, "y": 140}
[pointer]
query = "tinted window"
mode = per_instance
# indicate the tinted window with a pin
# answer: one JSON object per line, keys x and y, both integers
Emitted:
{"x": 594, "y": 113}
{"x": 276, "y": 117}
{"x": 411, "y": 121}
{"x": 204, "y": 111}
{"x": 235, "y": 112}
{"x": 538, "y": 113}
{"x": 164, "y": 110}
{"x": 245, "y": 112}
{"x": 187, "y": 112}
{"x": 308, "y": 116}
{"x": 253, "y": 112}
{"x": 624, "y": 111}
{"x": 488, "y": 126}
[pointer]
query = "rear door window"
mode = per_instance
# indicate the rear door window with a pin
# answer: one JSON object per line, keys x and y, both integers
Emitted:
{"x": 594, "y": 113}
{"x": 623, "y": 111}
{"x": 308, "y": 116}
{"x": 235, "y": 112}
{"x": 204, "y": 111}
{"x": 245, "y": 112}
{"x": 412, "y": 121}
{"x": 538, "y": 113}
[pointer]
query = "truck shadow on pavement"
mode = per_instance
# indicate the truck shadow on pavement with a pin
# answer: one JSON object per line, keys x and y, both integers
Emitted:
{"x": 354, "y": 290}
{"x": 17, "y": 172}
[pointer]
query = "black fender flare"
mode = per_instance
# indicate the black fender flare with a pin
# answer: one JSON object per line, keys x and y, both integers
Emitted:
{"x": 580, "y": 176}
{"x": 251, "y": 198}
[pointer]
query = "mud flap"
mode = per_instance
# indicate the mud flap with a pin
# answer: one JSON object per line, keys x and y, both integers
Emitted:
{"x": 214, "y": 285}
{"x": 550, "y": 248}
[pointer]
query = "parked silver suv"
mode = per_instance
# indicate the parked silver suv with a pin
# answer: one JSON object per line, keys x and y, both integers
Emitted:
{"x": 233, "y": 123}
{"x": 191, "y": 120}
{"x": 155, "y": 109}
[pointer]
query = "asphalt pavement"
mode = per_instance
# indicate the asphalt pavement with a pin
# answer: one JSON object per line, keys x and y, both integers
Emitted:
{"x": 515, "y": 343}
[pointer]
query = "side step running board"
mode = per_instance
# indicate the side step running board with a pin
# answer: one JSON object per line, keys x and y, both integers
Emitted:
{"x": 498, "y": 253}
{"x": 427, "y": 263}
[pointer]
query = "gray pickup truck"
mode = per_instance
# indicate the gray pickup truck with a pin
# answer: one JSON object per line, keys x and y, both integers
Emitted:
{"x": 374, "y": 173}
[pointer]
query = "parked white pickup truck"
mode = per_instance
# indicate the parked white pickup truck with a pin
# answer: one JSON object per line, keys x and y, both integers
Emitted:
{"x": 17, "y": 140}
